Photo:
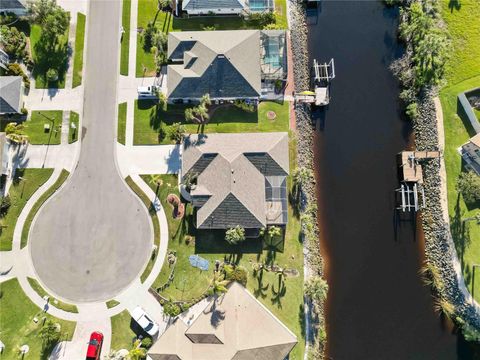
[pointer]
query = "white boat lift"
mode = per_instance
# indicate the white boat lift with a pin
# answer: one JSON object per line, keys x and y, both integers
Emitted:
{"x": 412, "y": 197}
{"x": 323, "y": 74}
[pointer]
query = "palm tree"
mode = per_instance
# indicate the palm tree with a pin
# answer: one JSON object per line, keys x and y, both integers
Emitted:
{"x": 431, "y": 276}
{"x": 199, "y": 114}
{"x": 137, "y": 352}
{"x": 189, "y": 180}
{"x": 301, "y": 176}
{"x": 444, "y": 307}
{"x": 15, "y": 133}
{"x": 316, "y": 288}
{"x": 218, "y": 286}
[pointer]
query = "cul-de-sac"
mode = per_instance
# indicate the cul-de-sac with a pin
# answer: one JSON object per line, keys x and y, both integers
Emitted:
{"x": 239, "y": 179}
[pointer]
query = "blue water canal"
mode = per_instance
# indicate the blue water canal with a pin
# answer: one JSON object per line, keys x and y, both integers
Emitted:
{"x": 377, "y": 306}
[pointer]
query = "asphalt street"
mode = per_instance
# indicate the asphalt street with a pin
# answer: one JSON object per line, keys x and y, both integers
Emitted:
{"x": 92, "y": 239}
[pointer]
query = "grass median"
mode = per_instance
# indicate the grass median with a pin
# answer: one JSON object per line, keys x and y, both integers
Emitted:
{"x": 125, "y": 43}
{"x": 78, "y": 55}
{"x": 28, "y": 221}
{"x": 52, "y": 301}
{"x": 122, "y": 122}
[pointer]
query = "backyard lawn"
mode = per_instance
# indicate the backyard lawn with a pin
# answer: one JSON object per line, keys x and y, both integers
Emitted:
{"x": 20, "y": 192}
{"x": 125, "y": 43}
{"x": 147, "y": 12}
{"x": 462, "y": 73}
{"x": 190, "y": 283}
{"x": 57, "y": 59}
{"x": 122, "y": 334}
{"x": 34, "y": 127}
{"x": 52, "y": 301}
{"x": 73, "y": 132}
{"x": 78, "y": 55}
{"x": 151, "y": 124}
{"x": 17, "y": 327}
{"x": 122, "y": 122}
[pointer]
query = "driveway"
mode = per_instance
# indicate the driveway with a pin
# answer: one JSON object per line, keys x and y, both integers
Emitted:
{"x": 93, "y": 238}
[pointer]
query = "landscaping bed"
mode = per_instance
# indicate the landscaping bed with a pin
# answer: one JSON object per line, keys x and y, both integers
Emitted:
{"x": 20, "y": 192}
{"x": 281, "y": 295}
{"x": 35, "y": 127}
{"x": 52, "y": 302}
{"x": 28, "y": 221}
{"x": 152, "y": 124}
{"x": 17, "y": 326}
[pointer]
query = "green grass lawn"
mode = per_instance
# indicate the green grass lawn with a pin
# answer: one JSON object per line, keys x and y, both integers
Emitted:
{"x": 463, "y": 73}
{"x": 73, "y": 133}
{"x": 20, "y": 192}
{"x": 57, "y": 59}
{"x": 147, "y": 10}
{"x": 190, "y": 283}
{"x": 53, "y": 302}
{"x": 151, "y": 125}
{"x": 112, "y": 303}
{"x": 122, "y": 122}
{"x": 34, "y": 127}
{"x": 78, "y": 55}
{"x": 125, "y": 43}
{"x": 28, "y": 221}
{"x": 153, "y": 215}
{"x": 122, "y": 334}
{"x": 17, "y": 327}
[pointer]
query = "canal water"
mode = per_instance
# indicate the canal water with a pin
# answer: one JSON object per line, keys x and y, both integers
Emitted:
{"x": 377, "y": 306}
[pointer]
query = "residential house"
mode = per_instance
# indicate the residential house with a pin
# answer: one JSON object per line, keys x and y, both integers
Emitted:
{"x": 11, "y": 95}
{"x": 17, "y": 7}
{"x": 471, "y": 153}
{"x": 226, "y": 7}
{"x": 235, "y": 326}
{"x": 228, "y": 65}
{"x": 241, "y": 179}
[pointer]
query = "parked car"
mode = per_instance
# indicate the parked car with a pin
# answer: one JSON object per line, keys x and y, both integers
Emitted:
{"x": 145, "y": 321}
{"x": 95, "y": 346}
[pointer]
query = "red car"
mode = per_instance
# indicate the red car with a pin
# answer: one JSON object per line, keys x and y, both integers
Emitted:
{"x": 95, "y": 346}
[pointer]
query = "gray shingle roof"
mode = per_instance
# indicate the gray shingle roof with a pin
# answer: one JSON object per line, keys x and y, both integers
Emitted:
{"x": 212, "y": 4}
{"x": 221, "y": 63}
{"x": 10, "y": 94}
{"x": 12, "y": 4}
{"x": 231, "y": 172}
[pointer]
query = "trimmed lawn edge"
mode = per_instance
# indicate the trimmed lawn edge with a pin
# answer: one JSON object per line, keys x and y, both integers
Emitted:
{"x": 122, "y": 123}
{"x": 42, "y": 292}
{"x": 45, "y": 196}
{"x": 111, "y": 303}
{"x": 156, "y": 224}
{"x": 125, "y": 43}
{"x": 79, "y": 44}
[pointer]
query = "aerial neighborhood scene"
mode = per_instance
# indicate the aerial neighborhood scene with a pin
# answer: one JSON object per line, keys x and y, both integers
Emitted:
{"x": 239, "y": 179}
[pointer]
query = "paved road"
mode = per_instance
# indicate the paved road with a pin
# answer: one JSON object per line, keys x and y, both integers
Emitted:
{"x": 92, "y": 239}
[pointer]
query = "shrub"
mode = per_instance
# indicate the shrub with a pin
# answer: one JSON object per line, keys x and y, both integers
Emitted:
{"x": 24, "y": 111}
{"x": 238, "y": 273}
{"x": 235, "y": 235}
{"x": 5, "y": 205}
{"x": 176, "y": 132}
{"x": 412, "y": 110}
{"x": 209, "y": 28}
{"x": 52, "y": 75}
{"x": 171, "y": 309}
{"x": 468, "y": 184}
{"x": 13, "y": 41}
{"x": 146, "y": 342}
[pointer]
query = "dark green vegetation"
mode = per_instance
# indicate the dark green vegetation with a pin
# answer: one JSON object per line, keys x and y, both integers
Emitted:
{"x": 73, "y": 132}
{"x": 156, "y": 225}
{"x": 462, "y": 73}
{"x": 28, "y": 221}
{"x": 283, "y": 295}
{"x": 78, "y": 54}
{"x": 165, "y": 22}
{"x": 125, "y": 42}
{"x": 152, "y": 123}
{"x": 18, "y": 328}
{"x": 52, "y": 302}
{"x": 35, "y": 127}
{"x": 26, "y": 182}
{"x": 122, "y": 122}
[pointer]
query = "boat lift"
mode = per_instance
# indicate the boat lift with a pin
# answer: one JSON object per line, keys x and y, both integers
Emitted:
{"x": 322, "y": 75}
{"x": 412, "y": 197}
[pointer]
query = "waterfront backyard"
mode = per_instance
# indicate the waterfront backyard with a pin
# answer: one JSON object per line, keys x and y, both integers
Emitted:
{"x": 463, "y": 73}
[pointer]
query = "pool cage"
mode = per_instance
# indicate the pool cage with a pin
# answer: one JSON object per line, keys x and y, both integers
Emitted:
{"x": 261, "y": 5}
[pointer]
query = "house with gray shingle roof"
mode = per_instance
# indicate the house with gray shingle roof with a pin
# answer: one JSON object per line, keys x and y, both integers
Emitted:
{"x": 11, "y": 94}
{"x": 17, "y": 7}
{"x": 204, "y": 7}
{"x": 241, "y": 179}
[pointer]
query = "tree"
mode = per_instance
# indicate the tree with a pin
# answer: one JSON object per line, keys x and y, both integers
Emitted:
{"x": 171, "y": 309}
{"x": 301, "y": 176}
{"x": 15, "y": 133}
{"x": 13, "y": 41}
{"x": 176, "y": 132}
{"x": 468, "y": 184}
{"x": 199, "y": 113}
{"x": 316, "y": 288}
{"x": 52, "y": 75}
{"x": 218, "y": 286}
{"x": 137, "y": 352}
{"x": 49, "y": 333}
{"x": 40, "y": 9}
{"x": 55, "y": 25}
{"x": 235, "y": 235}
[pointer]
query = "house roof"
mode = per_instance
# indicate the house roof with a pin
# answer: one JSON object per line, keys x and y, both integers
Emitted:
{"x": 212, "y": 4}
{"x": 232, "y": 169}
{"x": 13, "y": 4}
{"x": 476, "y": 140}
{"x": 220, "y": 63}
{"x": 10, "y": 94}
{"x": 235, "y": 326}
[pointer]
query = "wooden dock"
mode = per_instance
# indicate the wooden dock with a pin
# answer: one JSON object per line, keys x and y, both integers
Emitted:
{"x": 410, "y": 162}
